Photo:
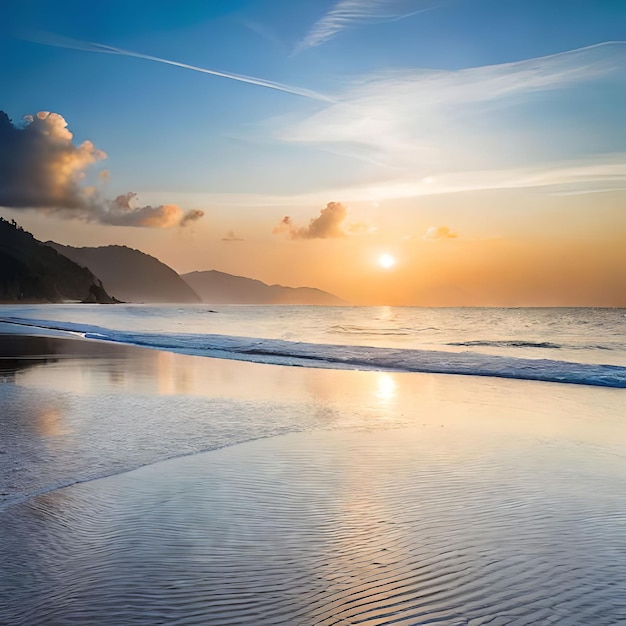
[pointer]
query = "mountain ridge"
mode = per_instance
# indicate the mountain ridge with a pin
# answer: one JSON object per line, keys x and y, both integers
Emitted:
{"x": 215, "y": 287}
{"x": 36, "y": 271}
{"x": 130, "y": 274}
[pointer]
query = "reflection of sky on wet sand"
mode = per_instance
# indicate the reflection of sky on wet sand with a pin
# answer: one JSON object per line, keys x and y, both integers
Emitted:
{"x": 366, "y": 491}
{"x": 50, "y": 423}
{"x": 398, "y": 398}
{"x": 94, "y": 409}
{"x": 355, "y": 526}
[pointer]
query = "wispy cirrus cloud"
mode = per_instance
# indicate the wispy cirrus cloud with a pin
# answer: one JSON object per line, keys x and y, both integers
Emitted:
{"x": 442, "y": 123}
{"x": 349, "y": 13}
{"x": 597, "y": 173}
{"x": 87, "y": 46}
{"x": 399, "y": 117}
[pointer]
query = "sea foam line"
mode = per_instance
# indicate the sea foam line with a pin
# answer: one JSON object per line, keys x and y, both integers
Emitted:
{"x": 330, "y": 356}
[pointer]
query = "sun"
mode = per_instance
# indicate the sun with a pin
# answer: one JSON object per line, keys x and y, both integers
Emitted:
{"x": 386, "y": 261}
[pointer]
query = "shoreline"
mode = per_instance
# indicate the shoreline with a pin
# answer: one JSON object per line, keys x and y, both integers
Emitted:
{"x": 62, "y": 386}
{"x": 355, "y": 357}
{"x": 57, "y": 344}
{"x": 221, "y": 492}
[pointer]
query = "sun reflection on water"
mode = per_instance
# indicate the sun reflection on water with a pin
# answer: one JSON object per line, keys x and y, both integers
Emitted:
{"x": 386, "y": 388}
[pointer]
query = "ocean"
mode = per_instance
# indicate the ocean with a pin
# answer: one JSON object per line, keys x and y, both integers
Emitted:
{"x": 309, "y": 466}
{"x": 570, "y": 345}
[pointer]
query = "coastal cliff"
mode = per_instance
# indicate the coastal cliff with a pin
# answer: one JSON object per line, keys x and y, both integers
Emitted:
{"x": 31, "y": 271}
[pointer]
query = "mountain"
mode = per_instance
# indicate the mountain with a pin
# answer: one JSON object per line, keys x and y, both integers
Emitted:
{"x": 33, "y": 272}
{"x": 219, "y": 288}
{"x": 131, "y": 275}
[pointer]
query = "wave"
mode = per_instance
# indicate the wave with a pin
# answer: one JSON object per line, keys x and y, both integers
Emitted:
{"x": 520, "y": 343}
{"x": 360, "y": 330}
{"x": 342, "y": 329}
{"x": 281, "y": 352}
{"x": 507, "y": 344}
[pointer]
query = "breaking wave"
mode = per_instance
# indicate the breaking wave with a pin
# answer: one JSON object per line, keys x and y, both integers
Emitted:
{"x": 290, "y": 353}
{"x": 520, "y": 343}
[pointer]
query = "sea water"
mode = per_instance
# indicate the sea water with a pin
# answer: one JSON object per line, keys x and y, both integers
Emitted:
{"x": 149, "y": 487}
{"x": 570, "y": 345}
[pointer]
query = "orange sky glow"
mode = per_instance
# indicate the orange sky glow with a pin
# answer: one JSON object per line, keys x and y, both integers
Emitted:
{"x": 492, "y": 172}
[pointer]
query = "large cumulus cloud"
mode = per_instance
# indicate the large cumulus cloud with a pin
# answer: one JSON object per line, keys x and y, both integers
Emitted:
{"x": 42, "y": 168}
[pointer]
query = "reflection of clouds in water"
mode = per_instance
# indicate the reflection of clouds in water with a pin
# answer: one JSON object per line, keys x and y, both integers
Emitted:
{"x": 50, "y": 422}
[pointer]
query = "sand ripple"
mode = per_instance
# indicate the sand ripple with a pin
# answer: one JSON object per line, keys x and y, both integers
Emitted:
{"x": 401, "y": 527}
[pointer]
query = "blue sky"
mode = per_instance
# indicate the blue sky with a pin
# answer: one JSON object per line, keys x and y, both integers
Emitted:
{"x": 133, "y": 107}
{"x": 385, "y": 103}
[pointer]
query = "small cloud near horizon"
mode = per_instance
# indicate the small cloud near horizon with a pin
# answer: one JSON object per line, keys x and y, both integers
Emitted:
{"x": 230, "y": 236}
{"x": 328, "y": 225}
{"x": 41, "y": 168}
{"x": 436, "y": 233}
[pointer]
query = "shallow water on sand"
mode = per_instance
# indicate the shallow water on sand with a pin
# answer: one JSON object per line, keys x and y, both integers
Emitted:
{"x": 408, "y": 526}
{"x": 336, "y": 497}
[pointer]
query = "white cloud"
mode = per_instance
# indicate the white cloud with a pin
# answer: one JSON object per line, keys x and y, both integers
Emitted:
{"x": 42, "y": 168}
{"x": 429, "y": 121}
{"x": 347, "y": 13}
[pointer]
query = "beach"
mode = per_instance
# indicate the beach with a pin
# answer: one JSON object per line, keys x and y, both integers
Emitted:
{"x": 145, "y": 487}
{"x": 313, "y": 313}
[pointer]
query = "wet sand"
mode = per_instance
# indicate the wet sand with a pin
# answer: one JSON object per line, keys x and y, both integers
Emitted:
{"x": 299, "y": 496}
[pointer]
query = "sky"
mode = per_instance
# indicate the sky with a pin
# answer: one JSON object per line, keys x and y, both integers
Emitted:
{"x": 392, "y": 152}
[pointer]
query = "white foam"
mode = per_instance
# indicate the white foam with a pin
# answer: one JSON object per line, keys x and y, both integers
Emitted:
{"x": 281, "y": 352}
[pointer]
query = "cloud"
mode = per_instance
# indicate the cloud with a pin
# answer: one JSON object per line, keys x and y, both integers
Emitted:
{"x": 595, "y": 173}
{"x": 122, "y": 212}
{"x": 87, "y": 46}
{"x": 328, "y": 225}
{"x": 439, "y": 232}
{"x": 347, "y": 13}
{"x": 41, "y": 168}
{"x": 230, "y": 236}
{"x": 360, "y": 228}
{"x": 190, "y": 216}
{"x": 434, "y": 121}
